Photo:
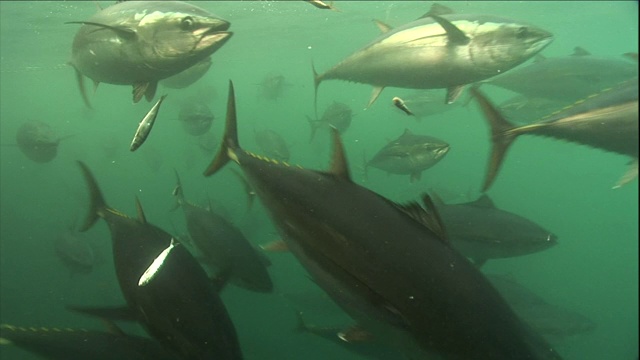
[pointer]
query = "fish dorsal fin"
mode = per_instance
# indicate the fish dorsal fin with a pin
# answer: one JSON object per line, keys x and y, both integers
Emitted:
{"x": 375, "y": 94}
{"x": 406, "y": 132}
{"x": 427, "y": 217}
{"x": 140, "y": 212}
{"x": 579, "y": 51}
{"x": 437, "y": 9}
{"x": 339, "y": 166}
{"x": 455, "y": 36}
{"x": 122, "y": 31}
{"x": 382, "y": 26}
{"x": 434, "y": 221}
{"x": 484, "y": 201}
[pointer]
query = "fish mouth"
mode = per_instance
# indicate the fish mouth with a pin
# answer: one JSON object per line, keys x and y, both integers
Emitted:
{"x": 442, "y": 151}
{"x": 544, "y": 38}
{"x": 213, "y": 39}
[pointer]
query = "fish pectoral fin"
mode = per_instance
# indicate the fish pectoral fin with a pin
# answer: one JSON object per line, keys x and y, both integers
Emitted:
{"x": 151, "y": 91}
{"x": 375, "y": 94}
{"x": 139, "y": 90}
{"x": 275, "y": 246}
{"x": 355, "y": 334}
{"x": 453, "y": 93}
{"x": 122, "y": 31}
{"x": 631, "y": 174}
{"x": 382, "y": 26}
{"x": 455, "y": 36}
{"x": 83, "y": 90}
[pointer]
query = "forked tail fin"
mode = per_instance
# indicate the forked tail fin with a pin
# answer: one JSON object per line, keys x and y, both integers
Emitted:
{"x": 502, "y": 136}
{"x": 230, "y": 139}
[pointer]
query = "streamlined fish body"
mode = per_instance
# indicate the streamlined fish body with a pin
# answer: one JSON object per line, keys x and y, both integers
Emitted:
{"x": 225, "y": 247}
{"x": 440, "y": 51}
{"x": 272, "y": 144}
{"x": 65, "y": 344}
{"x": 391, "y": 262}
{"x": 37, "y": 140}
{"x": 179, "y": 307}
{"x": 139, "y": 43}
{"x": 481, "y": 231}
{"x": 337, "y": 115}
{"x": 568, "y": 78}
{"x": 409, "y": 154}
{"x": 145, "y": 125}
{"x": 608, "y": 121}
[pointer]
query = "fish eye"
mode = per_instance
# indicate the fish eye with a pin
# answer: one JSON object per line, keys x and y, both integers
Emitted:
{"x": 187, "y": 23}
{"x": 522, "y": 32}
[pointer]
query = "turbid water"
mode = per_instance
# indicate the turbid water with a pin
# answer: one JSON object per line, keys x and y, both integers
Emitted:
{"x": 562, "y": 186}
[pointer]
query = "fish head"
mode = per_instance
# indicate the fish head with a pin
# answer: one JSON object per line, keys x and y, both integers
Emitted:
{"x": 37, "y": 141}
{"x": 196, "y": 118}
{"x": 179, "y": 37}
{"x": 428, "y": 153}
{"x": 507, "y": 44}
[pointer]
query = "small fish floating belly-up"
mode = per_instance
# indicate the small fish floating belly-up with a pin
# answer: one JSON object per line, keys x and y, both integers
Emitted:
{"x": 608, "y": 121}
{"x": 388, "y": 265}
{"x": 139, "y": 43}
{"x": 440, "y": 51}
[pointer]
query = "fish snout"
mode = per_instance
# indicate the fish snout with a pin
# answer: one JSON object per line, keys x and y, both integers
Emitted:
{"x": 442, "y": 151}
{"x": 213, "y": 39}
{"x": 552, "y": 239}
{"x": 538, "y": 39}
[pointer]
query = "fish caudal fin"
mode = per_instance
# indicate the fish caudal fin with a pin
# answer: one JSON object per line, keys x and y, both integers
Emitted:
{"x": 230, "y": 139}
{"x": 502, "y": 136}
{"x": 96, "y": 202}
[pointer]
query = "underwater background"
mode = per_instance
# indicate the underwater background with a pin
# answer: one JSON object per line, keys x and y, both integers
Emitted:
{"x": 565, "y": 187}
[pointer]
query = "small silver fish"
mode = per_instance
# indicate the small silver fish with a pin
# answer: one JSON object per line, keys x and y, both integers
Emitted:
{"x": 399, "y": 103}
{"x": 322, "y": 5}
{"x": 152, "y": 270}
{"x": 145, "y": 125}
